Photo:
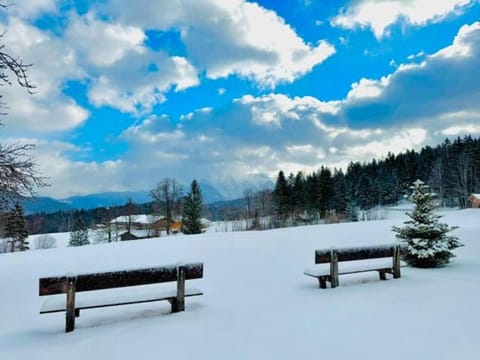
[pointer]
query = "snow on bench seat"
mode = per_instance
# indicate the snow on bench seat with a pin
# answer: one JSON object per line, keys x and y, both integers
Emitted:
{"x": 113, "y": 297}
{"x": 350, "y": 267}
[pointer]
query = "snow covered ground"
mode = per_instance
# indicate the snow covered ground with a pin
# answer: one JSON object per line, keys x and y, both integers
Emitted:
{"x": 257, "y": 302}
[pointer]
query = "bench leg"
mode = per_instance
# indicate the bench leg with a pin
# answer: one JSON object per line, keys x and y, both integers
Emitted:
{"x": 176, "y": 305}
{"x": 70, "y": 309}
{"x": 322, "y": 282}
{"x": 396, "y": 261}
{"x": 173, "y": 303}
{"x": 333, "y": 269}
{"x": 396, "y": 274}
{"x": 383, "y": 275}
{"x": 77, "y": 313}
{"x": 179, "y": 303}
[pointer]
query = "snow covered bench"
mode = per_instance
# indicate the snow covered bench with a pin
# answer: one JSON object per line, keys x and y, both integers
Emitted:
{"x": 334, "y": 262}
{"x": 142, "y": 279}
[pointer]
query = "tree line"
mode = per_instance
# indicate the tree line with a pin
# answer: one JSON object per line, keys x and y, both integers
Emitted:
{"x": 451, "y": 169}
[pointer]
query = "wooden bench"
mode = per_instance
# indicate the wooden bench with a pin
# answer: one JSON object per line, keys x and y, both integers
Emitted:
{"x": 72, "y": 284}
{"x": 334, "y": 262}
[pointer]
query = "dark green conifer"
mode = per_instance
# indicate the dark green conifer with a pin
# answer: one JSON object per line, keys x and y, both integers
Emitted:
{"x": 192, "y": 210}
{"x": 16, "y": 229}
{"x": 281, "y": 197}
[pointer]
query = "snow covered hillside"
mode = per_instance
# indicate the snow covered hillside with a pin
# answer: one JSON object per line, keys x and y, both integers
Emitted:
{"x": 257, "y": 302}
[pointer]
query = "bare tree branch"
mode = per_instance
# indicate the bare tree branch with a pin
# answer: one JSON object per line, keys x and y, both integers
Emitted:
{"x": 18, "y": 173}
{"x": 167, "y": 194}
{"x": 9, "y": 64}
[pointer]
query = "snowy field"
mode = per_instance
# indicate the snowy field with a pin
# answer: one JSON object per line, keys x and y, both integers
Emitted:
{"x": 257, "y": 302}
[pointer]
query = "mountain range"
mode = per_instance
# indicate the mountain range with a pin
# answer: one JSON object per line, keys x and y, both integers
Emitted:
{"x": 223, "y": 189}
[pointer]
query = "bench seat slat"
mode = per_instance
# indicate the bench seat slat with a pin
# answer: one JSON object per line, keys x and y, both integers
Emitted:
{"x": 96, "y": 299}
{"x": 350, "y": 267}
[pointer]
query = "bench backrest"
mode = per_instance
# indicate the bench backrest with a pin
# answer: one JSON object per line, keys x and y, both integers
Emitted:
{"x": 115, "y": 279}
{"x": 359, "y": 253}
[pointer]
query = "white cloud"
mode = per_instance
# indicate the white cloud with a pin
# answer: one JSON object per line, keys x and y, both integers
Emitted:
{"x": 232, "y": 37}
{"x": 367, "y": 88}
{"x": 32, "y": 113}
{"x": 441, "y": 84}
{"x": 380, "y": 14}
{"x": 32, "y": 8}
{"x": 53, "y": 63}
{"x": 415, "y": 56}
{"x": 106, "y": 52}
{"x": 464, "y": 44}
{"x": 197, "y": 146}
{"x": 460, "y": 130}
{"x": 405, "y": 139}
{"x": 131, "y": 88}
{"x": 108, "y": 58}
{"x": 124, "y": 74}
{"x": 53, "y": 162}
{"x": 102, "y": 43}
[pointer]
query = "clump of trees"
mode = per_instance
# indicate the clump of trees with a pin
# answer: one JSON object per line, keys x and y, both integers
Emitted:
{"x": 425, "y": 237}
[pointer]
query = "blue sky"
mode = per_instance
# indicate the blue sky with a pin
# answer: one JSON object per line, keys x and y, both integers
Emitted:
{"x": 131, "y": 92}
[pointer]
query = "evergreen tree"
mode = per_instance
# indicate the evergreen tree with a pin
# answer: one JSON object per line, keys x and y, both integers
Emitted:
{"x": 192, "y": 210}
{"x": 312, "y": 195}
{"x": 298, "y": 195}
{"x": 325, "y": 191}
{"x": 339, "y": 201}
{"x": 79, "y": 233}
{"x": 426, "y": 238}
{"x": 16, "y": 229}
{"x": 281, "y": 197}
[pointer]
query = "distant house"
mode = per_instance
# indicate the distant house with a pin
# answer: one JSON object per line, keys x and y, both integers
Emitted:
{"x": 151, "y": 224}
{"x": 475, "y": 200}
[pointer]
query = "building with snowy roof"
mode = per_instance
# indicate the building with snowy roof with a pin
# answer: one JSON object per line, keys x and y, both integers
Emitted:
{"x": 475, "y": 200}
{"x": 151, "y": 225}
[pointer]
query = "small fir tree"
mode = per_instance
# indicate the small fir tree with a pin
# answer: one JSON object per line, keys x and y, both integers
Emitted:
{"x": 79, "y": 234}
{"x": 16, "y": 229}
{"x": 428, "y": 244}
{"x": 192, "y": 210}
